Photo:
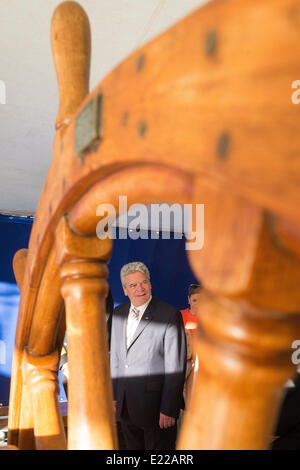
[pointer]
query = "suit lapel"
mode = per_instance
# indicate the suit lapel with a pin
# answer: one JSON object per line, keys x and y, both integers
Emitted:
{"x": 124, "y": 327}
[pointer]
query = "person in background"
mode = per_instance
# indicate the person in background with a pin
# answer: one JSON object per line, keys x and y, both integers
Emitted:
{"x": 189, "y": 316}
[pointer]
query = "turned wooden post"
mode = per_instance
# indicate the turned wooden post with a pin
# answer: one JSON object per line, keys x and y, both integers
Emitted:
{"x": 24, "y": 438}
{"x": 84, "y": 288}
{"x": 71, "y": 48}
{"x": 41, "y": 425}
{"x": 22, "y": 435}
{"x": 19, "y": 265}
{"x": 244, "y": 361}
{"x": 191, "y": 117}
{"x": 40, "y": 379}
{"x": 248, "y": 318}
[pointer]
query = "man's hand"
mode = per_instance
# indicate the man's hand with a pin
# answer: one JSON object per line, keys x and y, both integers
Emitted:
{"x": 115, "y": 405}
{"x": 166, "y": 421}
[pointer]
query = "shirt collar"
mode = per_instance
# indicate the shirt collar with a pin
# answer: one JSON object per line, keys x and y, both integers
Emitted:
{"x": 142, "y": 307}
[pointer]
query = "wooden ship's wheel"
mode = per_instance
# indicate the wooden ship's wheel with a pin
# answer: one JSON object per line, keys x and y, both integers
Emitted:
{"x": 201, "y": 115}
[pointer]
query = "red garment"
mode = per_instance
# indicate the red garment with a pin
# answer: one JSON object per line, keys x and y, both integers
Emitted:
{"x": 190, "y": 325}
{"x": 190, "y": 321}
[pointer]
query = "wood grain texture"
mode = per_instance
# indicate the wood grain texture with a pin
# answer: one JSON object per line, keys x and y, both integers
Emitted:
{"x": 23, "y": 435}
{"x": 71, "y": 47}
{"x": 244, "y": 361}
{"x": 48, "y": 309}
{"x": 14, "y": 425}
{"x": 170, "y": 185}
{"x": 19, "y": 265}
{"x": 40, "y": 376}
{"x": 202, "y": 114}
{"x": 84, "y": 288}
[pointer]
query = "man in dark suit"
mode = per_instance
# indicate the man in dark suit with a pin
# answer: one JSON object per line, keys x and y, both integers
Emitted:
{"x": 148, "y": 360}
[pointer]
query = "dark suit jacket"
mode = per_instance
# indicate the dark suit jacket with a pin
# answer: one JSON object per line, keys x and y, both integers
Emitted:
{"x": 151, "y": 372}
{"x": 288, "y": 425}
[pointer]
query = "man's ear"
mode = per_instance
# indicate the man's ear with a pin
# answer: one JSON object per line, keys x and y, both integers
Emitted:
{"x": 125, "y": 291}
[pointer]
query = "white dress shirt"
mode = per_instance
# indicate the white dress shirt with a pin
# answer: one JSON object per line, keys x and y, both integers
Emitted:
{"x": 132, "y": 323}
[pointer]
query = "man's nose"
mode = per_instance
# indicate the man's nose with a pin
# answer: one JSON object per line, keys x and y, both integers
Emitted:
{"x": 140, "y": 286}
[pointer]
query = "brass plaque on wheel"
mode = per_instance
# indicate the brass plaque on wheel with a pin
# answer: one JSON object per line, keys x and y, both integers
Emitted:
{"x": 88, "y": 126}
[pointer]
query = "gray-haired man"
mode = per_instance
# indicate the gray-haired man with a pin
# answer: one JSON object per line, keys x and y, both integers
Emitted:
{"x": 148, "y": 360}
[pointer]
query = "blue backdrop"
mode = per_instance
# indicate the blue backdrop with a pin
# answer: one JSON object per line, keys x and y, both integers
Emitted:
{"x": 165, "y": 258}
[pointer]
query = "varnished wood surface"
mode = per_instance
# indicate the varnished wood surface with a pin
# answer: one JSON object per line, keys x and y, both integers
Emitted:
{"x": 179, "y": 135}
{"x": 84, "y": 288}
{"x": 4, "y": 412}
{"x": 41, "y": 380}
{"x": 207, "y": 108}
{"x": 68, "y": 178}
{"x": 71, "y": 54}
{"x": 244, "y": 360}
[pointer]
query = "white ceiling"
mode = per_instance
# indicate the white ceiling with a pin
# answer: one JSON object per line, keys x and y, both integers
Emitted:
{"x": 27, "y": 72}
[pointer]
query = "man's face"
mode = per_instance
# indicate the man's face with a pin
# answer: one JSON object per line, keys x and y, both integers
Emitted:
{"x": 137, "y": 288}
